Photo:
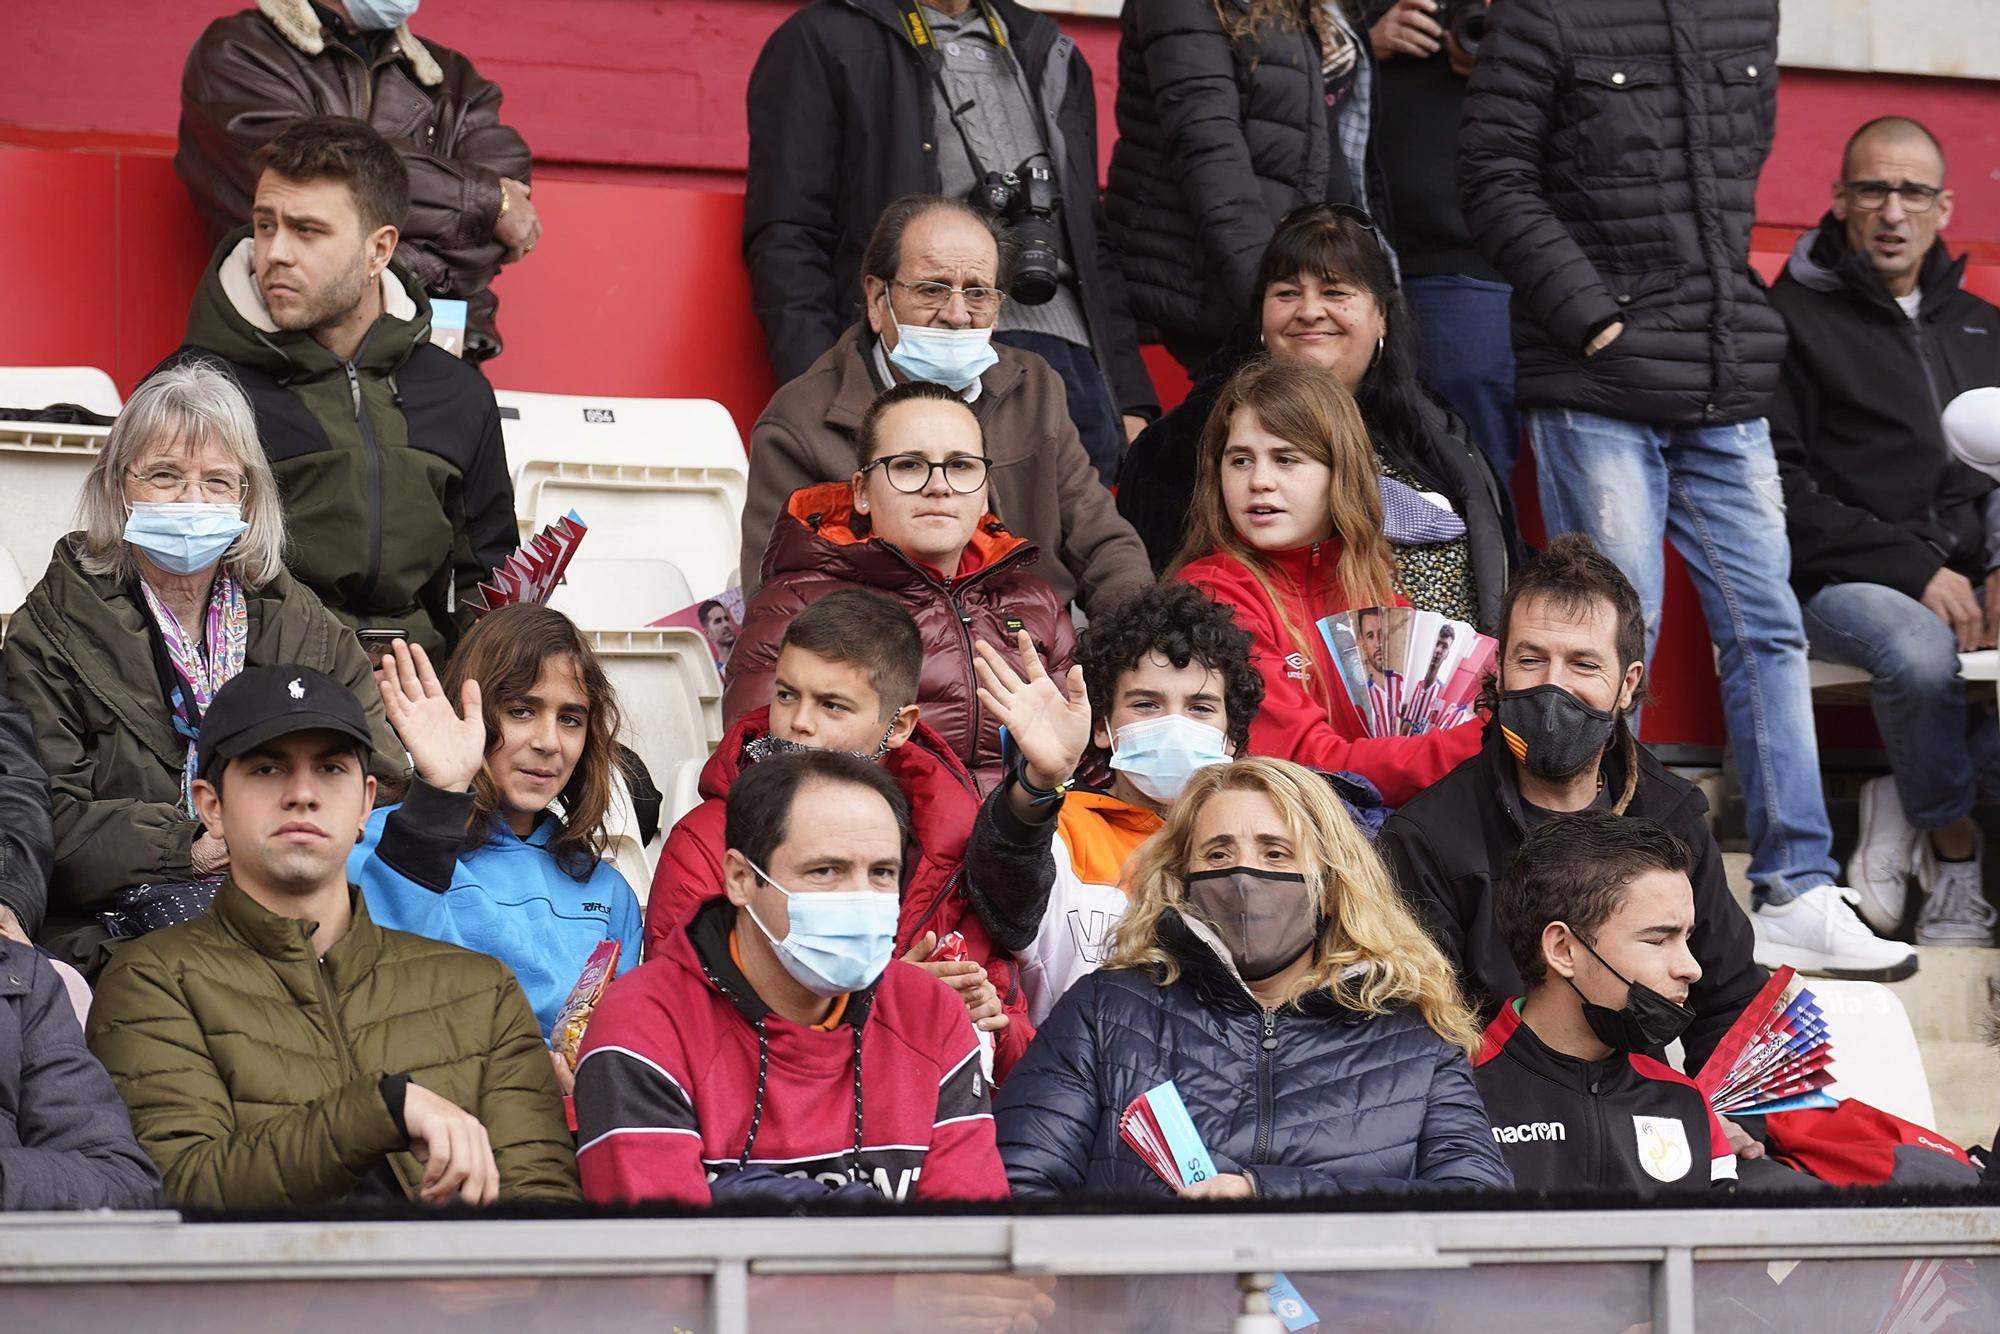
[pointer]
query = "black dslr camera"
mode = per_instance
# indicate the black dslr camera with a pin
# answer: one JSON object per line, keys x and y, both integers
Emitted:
{"x": 1026, "y": 200}
{"x": 1465, "y": 20}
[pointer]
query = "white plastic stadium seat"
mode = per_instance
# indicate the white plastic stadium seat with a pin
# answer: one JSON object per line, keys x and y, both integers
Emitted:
{"x": 633, "y": 860}
{"x": 1875, "y": 1053}
{"x": 40, "y": 386}
{"x": 654, "y": 478}
{"x": 684, "y": 793}
{"x": 620, "y": 594}
{"x": 1980, "y": 665}
{"x": 668, "y": 691}
{"x": 42, "y": 467}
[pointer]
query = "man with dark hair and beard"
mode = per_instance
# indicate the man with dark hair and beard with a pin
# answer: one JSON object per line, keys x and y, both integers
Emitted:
{"x": 1571, "y": 662}
{"x": 386, "y": 449}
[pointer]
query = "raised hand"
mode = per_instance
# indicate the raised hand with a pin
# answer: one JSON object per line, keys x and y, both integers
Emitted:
{"x": 448, "y": 748}
{"x": 1049, "y": 722}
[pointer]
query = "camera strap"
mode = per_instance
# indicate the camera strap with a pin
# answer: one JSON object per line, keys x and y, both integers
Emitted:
{"x": 917, "y": 29}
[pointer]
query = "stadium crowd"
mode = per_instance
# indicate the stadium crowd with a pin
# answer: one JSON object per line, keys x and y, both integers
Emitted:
{"x": 1034, "y": 797}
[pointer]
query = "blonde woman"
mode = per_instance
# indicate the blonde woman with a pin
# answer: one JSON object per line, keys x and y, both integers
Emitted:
{"x": 1286, "y": 529}
{"x": 1266, "y": 966}
{"x": 175, "y": 583}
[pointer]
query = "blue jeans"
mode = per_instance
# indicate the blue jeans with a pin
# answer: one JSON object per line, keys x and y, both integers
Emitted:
{"x": 1714, "y": 491}
{"x": 1088, "y": 395}
{"x": 1468, "y": 357}
{"x": 1942, "y": 753}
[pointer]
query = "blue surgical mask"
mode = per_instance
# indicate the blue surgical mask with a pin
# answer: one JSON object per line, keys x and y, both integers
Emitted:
{"x": 950, "y": 357}
{"x": 1159, "y": 755}
{"x": 374, "y": 15}
{"x": 839, "y": 940}
{"x": 184, "y": 536}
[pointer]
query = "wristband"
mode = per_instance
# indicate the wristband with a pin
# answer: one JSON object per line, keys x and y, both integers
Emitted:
{"x": 1041, "y": 796}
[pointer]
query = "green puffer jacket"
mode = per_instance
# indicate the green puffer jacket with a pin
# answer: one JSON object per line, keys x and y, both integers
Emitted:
{"x": 398, "y": 501}
{"x": 253, "y": 1072}
{"x": 79, "y": 658}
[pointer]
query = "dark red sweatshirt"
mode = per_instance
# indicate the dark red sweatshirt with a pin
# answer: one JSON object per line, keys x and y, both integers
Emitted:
{"x": 1306, "y": 716}
{"x": 686, "y": 1074}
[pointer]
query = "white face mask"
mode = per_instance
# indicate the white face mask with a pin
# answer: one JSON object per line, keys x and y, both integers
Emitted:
{"x": 1159, "y": 755}
{"x": 838, "y": 940}
{"x": 377, "y": 15}
{"x": 953, "y": 358}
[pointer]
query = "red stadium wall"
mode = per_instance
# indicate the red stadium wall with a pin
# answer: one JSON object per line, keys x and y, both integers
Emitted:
{"x": 635, "y": 112}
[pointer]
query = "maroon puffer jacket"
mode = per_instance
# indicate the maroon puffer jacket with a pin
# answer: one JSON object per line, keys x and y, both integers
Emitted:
{"x": 814, "y": 550}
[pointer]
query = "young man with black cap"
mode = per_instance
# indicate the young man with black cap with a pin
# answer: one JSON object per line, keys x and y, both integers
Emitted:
{"x": 1597, "y": 910}
{"x": 282, "y": 1050}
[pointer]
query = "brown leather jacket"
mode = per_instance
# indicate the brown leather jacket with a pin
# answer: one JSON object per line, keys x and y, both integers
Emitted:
{"x": 253, "y": 73}
{"x": 815, "y": 550}
{"x": 1043, "y": 486}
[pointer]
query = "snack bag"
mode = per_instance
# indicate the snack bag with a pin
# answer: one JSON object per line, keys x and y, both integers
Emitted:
{"x": 574, "y": 1017}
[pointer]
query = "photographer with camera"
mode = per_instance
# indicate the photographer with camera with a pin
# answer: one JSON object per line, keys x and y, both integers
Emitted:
{"x": 856, "y": 103}
{"x": 1425, "y": 50}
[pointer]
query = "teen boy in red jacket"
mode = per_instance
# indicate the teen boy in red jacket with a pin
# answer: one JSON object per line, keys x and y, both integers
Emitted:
{"x": 774, "y": 1049}
{"x": 846, "y": 680}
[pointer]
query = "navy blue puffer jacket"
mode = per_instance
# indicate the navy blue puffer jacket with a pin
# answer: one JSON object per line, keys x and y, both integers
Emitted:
{"x": 1317, "y": 1100}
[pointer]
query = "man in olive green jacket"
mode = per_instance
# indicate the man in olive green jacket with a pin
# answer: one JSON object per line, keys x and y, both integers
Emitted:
{"x": 283, "y": 1051}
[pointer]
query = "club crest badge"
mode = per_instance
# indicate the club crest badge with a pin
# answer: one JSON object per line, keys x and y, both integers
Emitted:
{"x": 1663, "y": 1147}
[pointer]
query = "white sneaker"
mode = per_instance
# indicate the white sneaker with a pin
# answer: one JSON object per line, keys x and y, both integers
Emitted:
{"x": 1883, "y": 857}
{"x": 1817, "y": 932}
{"x": 1955, "y": 910}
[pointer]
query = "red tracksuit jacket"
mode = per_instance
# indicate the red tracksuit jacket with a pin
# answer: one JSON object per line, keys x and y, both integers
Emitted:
{"x": 943, "y": 804}
{"x": 668, "y": 1084}
{"x": 1306, "y": 715}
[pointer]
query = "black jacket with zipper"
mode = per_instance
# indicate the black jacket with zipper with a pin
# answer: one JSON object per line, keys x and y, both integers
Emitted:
{"x": 1872, "y": 493}
{"x": 1607, "y": 166}
{"x": 1311, "y": 1100}
{"x": 1626, "y": 1123}
{"x": 398, "y": 500}
{"x": 844, "y": 122}
{"x": 1218, "y": 138}
{"x": 1449, "y": 845}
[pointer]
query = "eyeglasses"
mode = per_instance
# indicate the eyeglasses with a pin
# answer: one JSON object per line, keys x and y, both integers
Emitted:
{"x": 936, "y": 296}
{"x": 911, "y": 473}
{"x": 1871, "y": 195}
{"x": 166, "y": 484}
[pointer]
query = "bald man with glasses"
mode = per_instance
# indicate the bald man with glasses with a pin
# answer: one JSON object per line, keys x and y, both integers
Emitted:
{"x": 1895, "y": 545}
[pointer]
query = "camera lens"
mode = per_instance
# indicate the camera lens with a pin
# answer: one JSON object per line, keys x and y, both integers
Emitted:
{"x": 1037, "y": 258}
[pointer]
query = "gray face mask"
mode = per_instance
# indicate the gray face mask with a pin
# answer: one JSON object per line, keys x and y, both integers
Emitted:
{"x": 1266, "y": 919}
{"x": 764, "y": 747}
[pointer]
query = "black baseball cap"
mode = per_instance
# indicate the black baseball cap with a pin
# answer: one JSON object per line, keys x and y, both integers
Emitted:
{"x": 260, "y": 704}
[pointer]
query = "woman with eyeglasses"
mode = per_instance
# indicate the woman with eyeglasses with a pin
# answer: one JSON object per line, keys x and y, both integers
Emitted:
{"x": 1327, "y": 296}
{"x": 1231, "y": 113}
{"x": 913, "y": 522}
{"x": 175, "y": 583}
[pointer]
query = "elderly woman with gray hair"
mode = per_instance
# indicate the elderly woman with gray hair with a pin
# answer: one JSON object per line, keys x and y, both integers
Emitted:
{"x": 175, "y": 583}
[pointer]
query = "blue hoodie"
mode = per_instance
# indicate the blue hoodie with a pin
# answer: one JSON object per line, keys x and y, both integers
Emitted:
{"x": 507, "y": 898}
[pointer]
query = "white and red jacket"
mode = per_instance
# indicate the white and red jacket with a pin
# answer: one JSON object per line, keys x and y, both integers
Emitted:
{"x": 1306, "y": 716}
{"x": 1627, "y": 1122}
{"x": 685, "y": 1075}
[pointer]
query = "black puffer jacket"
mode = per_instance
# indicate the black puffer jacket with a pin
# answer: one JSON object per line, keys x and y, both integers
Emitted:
{"x": 1217, "y": 140}
{"x": 1872, "y": 493}
{"x": 1156, "y": 485}
{"x": 1311, "y": 1101}
{"x": 1608, "y": 166}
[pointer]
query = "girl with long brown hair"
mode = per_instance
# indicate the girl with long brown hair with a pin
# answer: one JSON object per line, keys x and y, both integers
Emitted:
{"x": 1286, "y": 529}
{"x": 1267, "y": 966}
{"x": 499, "y": 845}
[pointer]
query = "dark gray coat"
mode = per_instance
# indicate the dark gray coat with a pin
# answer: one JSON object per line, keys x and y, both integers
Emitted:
{"x": 1337, "y": 1102}
{"x": 27, "y": 840}
{"x": 65, "y": 1139}
{"x": 1607, "y": 166}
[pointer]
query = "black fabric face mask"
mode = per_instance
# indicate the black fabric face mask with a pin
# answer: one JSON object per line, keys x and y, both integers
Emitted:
{"x": 1647, "y": 1022}
{"x": 1552, "y": 731}
{"x": 1264, "y": 918}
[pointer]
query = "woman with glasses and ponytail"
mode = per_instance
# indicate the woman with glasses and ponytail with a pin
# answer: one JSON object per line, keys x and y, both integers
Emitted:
{"x": 175, "y": 583}
{"x": 913, "y": 522}
{"x": 1267, "y": 967}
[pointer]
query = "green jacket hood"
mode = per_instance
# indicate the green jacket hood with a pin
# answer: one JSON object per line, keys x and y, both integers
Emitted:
{"x": 229, "y": 318}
